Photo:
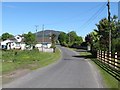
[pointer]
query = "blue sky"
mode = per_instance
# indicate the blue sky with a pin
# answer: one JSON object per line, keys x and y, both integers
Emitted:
{"x": 21, "y": 17}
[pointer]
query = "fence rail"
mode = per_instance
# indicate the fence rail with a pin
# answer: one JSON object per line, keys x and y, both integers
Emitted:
{"x": 111, "y": 61}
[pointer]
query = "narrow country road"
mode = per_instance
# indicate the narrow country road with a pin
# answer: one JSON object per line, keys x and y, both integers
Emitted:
{"x": 69, "y": 72}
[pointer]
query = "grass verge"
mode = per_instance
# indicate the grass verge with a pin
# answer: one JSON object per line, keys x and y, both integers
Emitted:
{"x": 34, "y": 59}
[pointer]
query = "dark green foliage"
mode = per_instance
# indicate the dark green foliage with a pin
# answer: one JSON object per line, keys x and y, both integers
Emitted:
{"x": 29, "y": 38}
{"x": 6, "y": 36}
{"x": 62, "y": 38}
{"x": 100, "y": 39}
{"x": 70, "y": 40}
{"x": 53, "y": 40}
{"x": 116, "y": 45}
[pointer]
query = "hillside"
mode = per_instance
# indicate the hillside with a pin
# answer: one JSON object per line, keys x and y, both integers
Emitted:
{"x": 47, "y": 33}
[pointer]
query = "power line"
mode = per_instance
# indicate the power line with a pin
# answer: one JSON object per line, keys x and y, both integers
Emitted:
{"x": 93, "y": 17}
{"x": 89, "y": 10}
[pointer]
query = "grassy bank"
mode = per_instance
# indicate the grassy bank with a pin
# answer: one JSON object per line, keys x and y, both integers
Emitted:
{"x": 108, "y": 80}
{"x": 34, "y": 59}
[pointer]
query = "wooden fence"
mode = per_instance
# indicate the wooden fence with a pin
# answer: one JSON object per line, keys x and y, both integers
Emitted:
{"x": 111, "y": 60}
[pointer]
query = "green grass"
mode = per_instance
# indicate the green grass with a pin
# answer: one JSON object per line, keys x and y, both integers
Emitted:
{"x": 85, "y": 53}
{"x": 108, "y": 80}
{"x": 72, "y": 48}
{"x": 27, "y": 59}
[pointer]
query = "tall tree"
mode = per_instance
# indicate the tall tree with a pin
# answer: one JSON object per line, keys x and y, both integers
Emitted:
{"x": 101, "y": 38}
{"x": 63, "y": 38}
{"x": 29, "y": 38}
{"x": 78, "y": 40}
{"x": 5, "y": 36}
{"x": 53, "y": 39}
{"x": 103, "y": 33}
{"x": 92, "y": 40}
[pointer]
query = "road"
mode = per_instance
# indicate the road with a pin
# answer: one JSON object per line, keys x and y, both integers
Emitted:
{"x": 69, "y": 72}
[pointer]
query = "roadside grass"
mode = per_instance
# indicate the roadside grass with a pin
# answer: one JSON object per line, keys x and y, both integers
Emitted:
{"x": 108, "y": 79}
{"x": 33, "y": 59}
{"x": 71, "y": 48}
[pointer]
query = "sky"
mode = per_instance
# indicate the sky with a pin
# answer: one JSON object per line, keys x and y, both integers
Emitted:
{"x": 81, "y": 17}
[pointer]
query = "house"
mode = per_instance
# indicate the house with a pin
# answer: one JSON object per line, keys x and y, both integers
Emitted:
{"x": 16, "y": 42}
{"x": 46, "y": 42}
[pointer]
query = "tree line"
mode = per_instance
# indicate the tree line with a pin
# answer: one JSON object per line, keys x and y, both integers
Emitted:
{"x": 99, "y": 38}
{"x": 70, "y": 39}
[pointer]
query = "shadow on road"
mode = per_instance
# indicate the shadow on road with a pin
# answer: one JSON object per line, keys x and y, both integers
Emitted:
{"x": 82, "y": 56}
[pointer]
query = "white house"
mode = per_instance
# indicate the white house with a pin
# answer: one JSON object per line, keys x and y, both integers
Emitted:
{"x": 13, "y": 43}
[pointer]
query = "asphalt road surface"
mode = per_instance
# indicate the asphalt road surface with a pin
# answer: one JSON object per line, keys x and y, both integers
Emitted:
{"x": 68, "y": 72}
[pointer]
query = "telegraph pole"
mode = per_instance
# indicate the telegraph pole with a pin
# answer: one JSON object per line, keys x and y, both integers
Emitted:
{"x": 42, "y": 36}
{"x": 36, "y": 31}
{"x": 109, "y": 25}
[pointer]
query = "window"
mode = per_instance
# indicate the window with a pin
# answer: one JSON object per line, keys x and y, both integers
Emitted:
{"x": 18, "y": 37}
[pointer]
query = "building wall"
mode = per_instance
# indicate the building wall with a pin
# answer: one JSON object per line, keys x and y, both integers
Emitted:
{"x": 23, "y": 46}
{"x": 38, "y": 45}
{"x": 5, "y": 42}
{"x": 49, "y": 45}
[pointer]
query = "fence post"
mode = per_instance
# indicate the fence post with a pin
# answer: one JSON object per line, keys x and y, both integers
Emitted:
{"x": 105, "y": 57}
{"x": 116, "y": 61}
{"x": 109, "y": 58}
{"x": 98, "y": 54}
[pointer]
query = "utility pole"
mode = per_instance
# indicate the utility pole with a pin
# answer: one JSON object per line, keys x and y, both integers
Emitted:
{"x": 42, "y": 36}
{"x": 109, "y": 25}
{"x": 36, "y": 31}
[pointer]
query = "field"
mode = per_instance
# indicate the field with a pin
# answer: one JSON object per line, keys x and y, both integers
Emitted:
{"x": 15, "y": 59}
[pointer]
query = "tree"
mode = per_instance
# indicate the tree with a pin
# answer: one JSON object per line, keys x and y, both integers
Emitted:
{"x": 63, "y": 38}
{"x": 103, "y": 33}
{"x": 5, "y": 36}
{"x": 29, "y": 38}
{"x": 53, "y": 39}
{"x": 92, "y": 40}
{"x": 71, "y": 39}
{"x": 78, "y": 40}
{"x": 100, "y": 38}
{"x": 72, "y": 35}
